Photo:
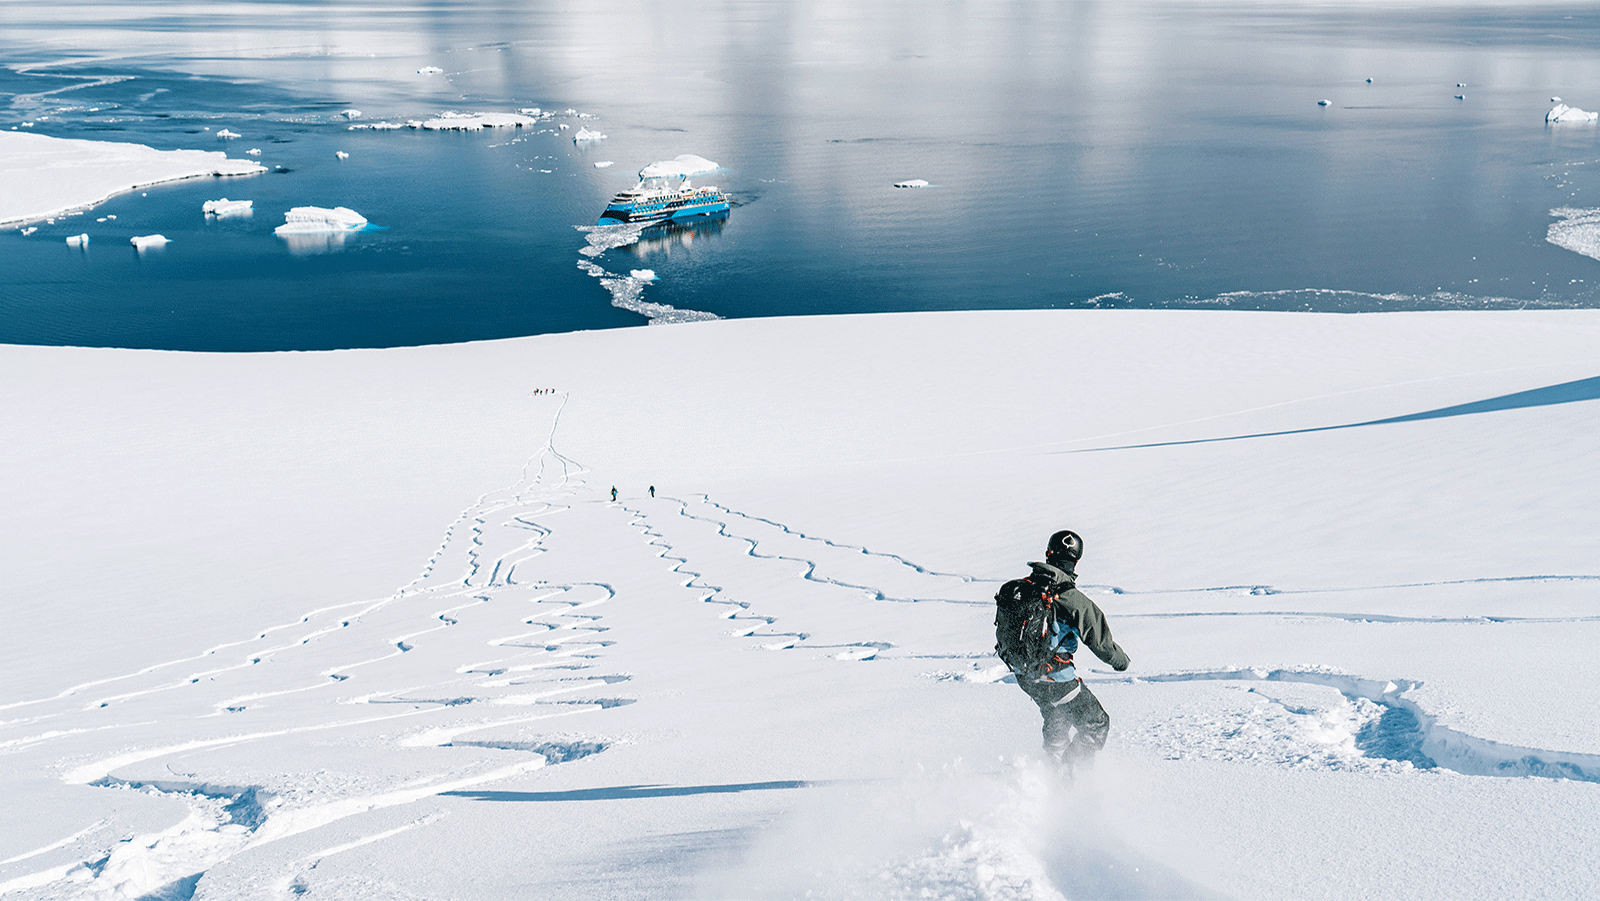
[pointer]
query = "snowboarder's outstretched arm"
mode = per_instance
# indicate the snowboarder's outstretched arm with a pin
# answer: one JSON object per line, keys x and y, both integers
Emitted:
{"x": 1082, "y": 613}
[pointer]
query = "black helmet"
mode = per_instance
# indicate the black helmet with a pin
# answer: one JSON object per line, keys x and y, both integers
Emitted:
{"x": 1066, "y": 548}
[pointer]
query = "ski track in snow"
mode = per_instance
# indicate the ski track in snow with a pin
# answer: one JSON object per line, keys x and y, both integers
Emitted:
{"x": 478, "y": 643}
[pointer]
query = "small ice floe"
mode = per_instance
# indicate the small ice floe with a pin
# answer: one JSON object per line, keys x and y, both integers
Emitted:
{"x": 1461, "y": 96}
{"x": 341, "y": 154}
{"x": 605, "y": 164}
{"x": 254, "y": 151}
{"x": 585, "y": 134}
{"x": 913, "y": 183}
{"x": 1324, "y": 103}
{"x": 142, "y": 243}
{"x": 229, "y": 135}
{"x": 382, "y": 126}
{"x": 643, "y": 275}
{"x": 1461, "y": 84}
{"x": 313, "y": 220}
{"x": 101, "y": 219}
{"x": 1369, "y": 81}
{"x": 564, "y": 126}
{"x": 78, "y": 241}
{"x": 351, "y": 114}
{"x": 225, "y": 207}
{"x": 1564, "y": 113}
{"x": 29, "y": 230}
{"x": 430, "y": 70}
{"x": 453, "y": 121}
{"x": 1555, "y": 99}
{"x": 112, "y": 216}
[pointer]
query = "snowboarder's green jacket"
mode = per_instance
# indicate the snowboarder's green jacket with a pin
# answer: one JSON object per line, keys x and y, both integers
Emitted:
{"x": 1075, "y": 611}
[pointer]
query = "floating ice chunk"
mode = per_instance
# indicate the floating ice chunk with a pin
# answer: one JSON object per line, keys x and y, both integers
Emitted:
{"x": 29, "y": 230}
{"x": 142, "y": 243}
{"x": 682, "y": 166}
{"x": 341, "y": 154}
{"x": 78, "y": 241}
{"x": 351, "y": 114}
{"x": 913, "y": 183}
{"x": 1324, "y": 103}
{"x": 585, "y": 134}
{"x": 1461, "y": 84}
{"x": 430, "y": 70}
{"x": 1369, "y": 81}
{"x": 1461, "y": 96}
{"x": 643, "y": 275}
{"x": 101, "y": 219}
{"x": 1564, "y": 113}
{"x": 604, "y": 164}
{"x": 1555, "y": 99}
{"x": 113, "y": 216}
{"x": 226, "y": 207}
{"x": 228, "y": 134}
{"x": 1577, "y": 230}
{"x": 313, "y": 220}
{"x": 254, "y": 151}
{"x": 565, "y": 126}
{"x": 382, "y": 126}
{"x": 453, "y": 121}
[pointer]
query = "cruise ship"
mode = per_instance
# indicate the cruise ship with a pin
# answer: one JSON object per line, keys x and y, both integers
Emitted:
{"x": 664, "y": 194}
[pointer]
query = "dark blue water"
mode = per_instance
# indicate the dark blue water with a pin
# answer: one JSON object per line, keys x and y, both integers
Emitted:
{"x": 1082, "y": 155}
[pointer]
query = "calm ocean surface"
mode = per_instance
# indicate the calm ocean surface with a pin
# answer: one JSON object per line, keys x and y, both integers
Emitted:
{"x": 1081, "y": 155}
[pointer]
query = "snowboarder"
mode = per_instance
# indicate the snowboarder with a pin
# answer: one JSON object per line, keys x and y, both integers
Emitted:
{"x": 1039, "y": 622}
{"x": 613, "y": 494}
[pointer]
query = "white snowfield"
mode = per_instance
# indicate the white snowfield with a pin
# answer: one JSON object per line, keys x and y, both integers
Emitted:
{"x": 368, "y": 625}
{"x": 42, "y": 176}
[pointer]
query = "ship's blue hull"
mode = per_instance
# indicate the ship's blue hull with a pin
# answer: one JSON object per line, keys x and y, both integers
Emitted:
{"x": 674, "y": 210}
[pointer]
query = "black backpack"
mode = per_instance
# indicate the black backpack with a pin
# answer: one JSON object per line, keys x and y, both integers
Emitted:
{"x": 1025, "y": 611}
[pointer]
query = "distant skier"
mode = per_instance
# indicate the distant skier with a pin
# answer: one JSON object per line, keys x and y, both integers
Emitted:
{"x": 1039, "y": 622}
{"x": 613, "y": 494}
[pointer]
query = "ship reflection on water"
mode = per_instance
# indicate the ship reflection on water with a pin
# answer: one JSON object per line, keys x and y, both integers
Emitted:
{"x": 670, "y": 236}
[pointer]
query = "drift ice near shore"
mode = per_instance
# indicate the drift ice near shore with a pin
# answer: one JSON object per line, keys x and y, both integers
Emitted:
{"x": 42, "y": 176}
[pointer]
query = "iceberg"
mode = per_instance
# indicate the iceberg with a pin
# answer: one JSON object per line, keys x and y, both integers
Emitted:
{"x": 42, "y": 177}
{"x": 682, "y": 166}
{"x": 1563, "y": 113}
{"x": 254, "y": 151}
{"x": 341, "y": 154}
{"x": 351, "y": 114}
{"x": 913, "y": 183}
{"x": 585, "y": 134}
{"x": 430, "y": 70}
{"x": 226, "y": 207}
{"x": 452, "y": 121}
{"x": 224, "y": 133}
{"x": 29, "y": 230}
{"x": 1324, "y": 103}
{"x": 316, "y": 220}
{"x": 78, "y": 241}
{"x": 142, "y": 243}
{"x": 604, "y": 164}
{"x": 381, "y": 126}
{"x": 643, "y": 275}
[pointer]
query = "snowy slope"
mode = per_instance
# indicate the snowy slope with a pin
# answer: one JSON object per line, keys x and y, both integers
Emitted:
{"x": 368, "y": 624}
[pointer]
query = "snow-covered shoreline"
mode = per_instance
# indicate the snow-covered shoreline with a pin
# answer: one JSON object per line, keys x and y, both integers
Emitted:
{"x": 43, "y": 177}
{"x": 368, "y": 623}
